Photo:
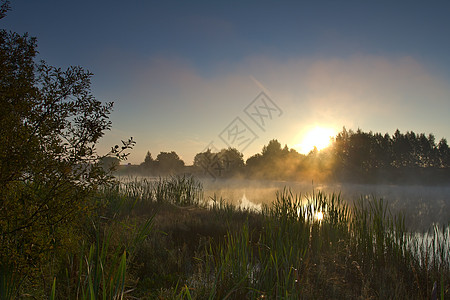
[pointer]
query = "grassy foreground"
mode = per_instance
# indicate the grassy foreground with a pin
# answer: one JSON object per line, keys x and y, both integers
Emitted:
{"x": 163, "y": 240}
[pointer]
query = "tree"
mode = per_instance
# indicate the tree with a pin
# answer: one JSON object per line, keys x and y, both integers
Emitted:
{"x": 272, "y": 162}
{"x": 444, "y": 153}
{"x": 148, "y": 160}
{"x": 360, "y": 151}
{"x": 225, "y": 163}
{"x": 148, "y": 164}
{"x": 169, "y": 162}
{"x": 231, "y": 160}
{"x": 273, "y": 149}
{"x": 254, "y": 165}
{"x": 109, "y": 163}
{"x": 4, "y": 7}
{"x": 50, "y": 124}
{"x": 203, "y": 160}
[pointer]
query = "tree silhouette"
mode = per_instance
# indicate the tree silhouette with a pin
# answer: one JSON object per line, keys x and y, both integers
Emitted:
{"x": 444, "y": 154}
{"x": 225, "y": 163}
{"x": 50, "y": 124}
{"x": 169, "y": 163}
{"x": 274, "y": 162}
{"x": 367, "y": 156}
{"x": 109, "y": 163}
{"x": 149, "y": 164}
{"x": 231, "y": 160}
{"x": 4, "y": 8}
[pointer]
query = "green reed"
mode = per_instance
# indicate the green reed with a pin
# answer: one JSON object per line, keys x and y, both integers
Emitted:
{"x": 180, "y": 190}
{"x": 359, "y": 249}
{"x": 301, "y": 246}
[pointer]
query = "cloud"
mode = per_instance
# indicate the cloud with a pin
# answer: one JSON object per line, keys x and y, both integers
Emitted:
{"x": 167, "y": 98}
{"x": 371, "y": 90}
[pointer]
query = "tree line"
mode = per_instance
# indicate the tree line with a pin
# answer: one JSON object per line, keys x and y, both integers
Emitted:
{"x": 355, "y": 156}
{"x": 406, "y": 156}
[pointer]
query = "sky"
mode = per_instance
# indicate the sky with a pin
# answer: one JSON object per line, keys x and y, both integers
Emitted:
{"x": 189, "y": 75}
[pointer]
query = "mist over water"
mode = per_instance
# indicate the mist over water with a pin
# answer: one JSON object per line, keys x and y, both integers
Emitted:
{"x": 423, "y": 206}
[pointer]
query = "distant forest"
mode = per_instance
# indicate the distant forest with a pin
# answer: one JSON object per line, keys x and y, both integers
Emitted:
{"x": 353, "y": 156}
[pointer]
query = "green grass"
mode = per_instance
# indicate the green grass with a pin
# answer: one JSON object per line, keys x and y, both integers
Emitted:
{"x": 163, "y": 240}
{"x": 358, "y": 251}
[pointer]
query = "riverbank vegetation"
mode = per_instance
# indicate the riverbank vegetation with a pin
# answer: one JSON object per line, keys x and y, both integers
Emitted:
{"x": 163, "y": 240}
{"x": 69, "y": 230}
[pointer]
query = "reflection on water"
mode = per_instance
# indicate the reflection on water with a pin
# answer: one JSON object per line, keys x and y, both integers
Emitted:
{"x": 423, "y": 206}
{"x": 319, "y": 216}
{"x": 433, "y": 244}
{"x": 245, "y": 204}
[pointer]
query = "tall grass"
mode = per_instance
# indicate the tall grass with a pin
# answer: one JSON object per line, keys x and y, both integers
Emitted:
{"x": 161, "y": 239}
{"x": 354, "y": 251}
{"x": 98, "y": 270}
{"x": 180, "y": 190}
{"x": 357, "y": 250}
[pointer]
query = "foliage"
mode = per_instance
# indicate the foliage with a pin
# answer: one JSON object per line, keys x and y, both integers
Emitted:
{"x": 50, "y": 124}
{"x": 225, "y": 163}
{"x": 100, "y": 272}
{"x": 149, "y": 165}
{"x": 287, "y": 252}
{"x": 180, "y": 190}
{"x": 168, "y": 163}
{"x": 355, "y": 156}
{"x": 4, "y": 7}
{"x": 357, "y": 250}
{"x": 275, "y": 162}
{"x": 408, "y": 156}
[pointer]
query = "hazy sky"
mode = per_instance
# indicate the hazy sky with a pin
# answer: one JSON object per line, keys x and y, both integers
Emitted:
{"x": 184, "y": 74}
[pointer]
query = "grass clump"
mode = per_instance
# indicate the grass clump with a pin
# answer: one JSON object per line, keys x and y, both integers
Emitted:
{"x": 358, "y": 251}
{"x": 162, "y": 240}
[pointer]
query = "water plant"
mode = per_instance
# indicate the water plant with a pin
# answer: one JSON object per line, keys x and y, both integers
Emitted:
{"x": 300, "y": 246}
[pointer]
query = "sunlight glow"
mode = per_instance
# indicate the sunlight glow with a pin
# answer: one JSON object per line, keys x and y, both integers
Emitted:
{"x": 319, "y": 216}
{"x": 319, "y": 137}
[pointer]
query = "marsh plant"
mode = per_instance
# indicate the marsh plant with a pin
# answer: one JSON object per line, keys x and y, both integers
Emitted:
{"x": 301, "y": 246}
{"x": 318, "y": 246}
{"x": 158, "y": 239}
{"x": 180, "y": 190}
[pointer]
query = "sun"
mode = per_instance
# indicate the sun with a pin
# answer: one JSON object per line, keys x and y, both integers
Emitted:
{"x": 319, "y": 137}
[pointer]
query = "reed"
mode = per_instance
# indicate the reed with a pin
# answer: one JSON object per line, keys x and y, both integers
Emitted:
{"x": 297, "y": 255}
{"x": 180, "y": 190}
{"x": 160, "y": 238}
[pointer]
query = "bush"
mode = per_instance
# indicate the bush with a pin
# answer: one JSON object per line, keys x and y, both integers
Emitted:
{"x": 49, "y": 168}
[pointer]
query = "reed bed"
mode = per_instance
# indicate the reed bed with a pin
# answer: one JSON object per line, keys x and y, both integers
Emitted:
{"x": 354, "y": 251}
{"x": 160, "y": 239}
{"x": 180, "y": 190}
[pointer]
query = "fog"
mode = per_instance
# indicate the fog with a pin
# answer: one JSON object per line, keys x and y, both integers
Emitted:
{"x": 423, "y": 206}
